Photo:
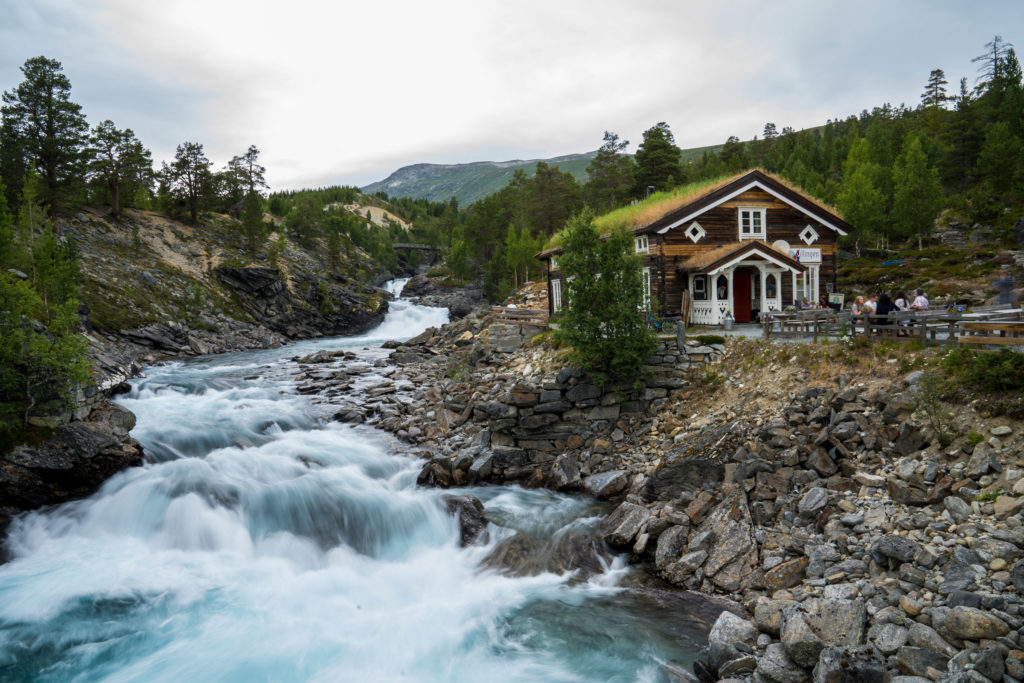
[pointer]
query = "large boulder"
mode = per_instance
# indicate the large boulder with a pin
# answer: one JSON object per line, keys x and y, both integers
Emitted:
{"x": 732, "y": 558}
{"x": 72, "y": 463}
{"x": 970, "y": 623}
{"x": 621, "y": 526}
{"x": 472, "y": 519}
{"x": 728, "y": 632}
{"x": 849, "y": 665}
{"x": 683, "y": 474}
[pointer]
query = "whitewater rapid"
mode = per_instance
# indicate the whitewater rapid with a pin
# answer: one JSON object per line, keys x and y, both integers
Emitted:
{"x": 263, "y": 543}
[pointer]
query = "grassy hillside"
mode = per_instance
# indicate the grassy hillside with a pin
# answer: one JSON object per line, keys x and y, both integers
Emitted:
{"x": 473, "y": 181}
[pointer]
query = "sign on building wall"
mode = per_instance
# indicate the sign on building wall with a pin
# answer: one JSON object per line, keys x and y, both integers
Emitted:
{"x": 806, "y": 255}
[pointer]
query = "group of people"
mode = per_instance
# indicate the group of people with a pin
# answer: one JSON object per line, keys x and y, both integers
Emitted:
{"x": 807, "y": 305}
{"x": 881, "y": 305}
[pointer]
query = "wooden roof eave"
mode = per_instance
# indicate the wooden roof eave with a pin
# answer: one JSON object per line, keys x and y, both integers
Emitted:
{"x": 742, "y": 252}
{"x": 747, "y": 181}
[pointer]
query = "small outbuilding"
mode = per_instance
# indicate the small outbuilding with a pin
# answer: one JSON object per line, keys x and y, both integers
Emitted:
{"x": 750, "y": 244}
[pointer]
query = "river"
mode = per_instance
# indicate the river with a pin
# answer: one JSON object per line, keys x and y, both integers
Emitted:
{"x": 263, "y": 542}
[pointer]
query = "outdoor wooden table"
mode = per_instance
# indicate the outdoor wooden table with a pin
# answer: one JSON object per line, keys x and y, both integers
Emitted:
{"x": 1002, "y": 332}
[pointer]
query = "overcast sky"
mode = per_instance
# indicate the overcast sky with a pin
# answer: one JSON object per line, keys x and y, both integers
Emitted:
{"x": 339, "y": 92}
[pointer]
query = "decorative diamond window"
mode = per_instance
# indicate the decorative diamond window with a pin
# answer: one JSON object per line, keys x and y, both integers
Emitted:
{"x": 809, "y": 235}
{"x": 695, "y": 232}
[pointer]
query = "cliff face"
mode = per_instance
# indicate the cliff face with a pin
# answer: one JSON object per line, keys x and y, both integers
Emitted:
{"x": 157, "y": 287}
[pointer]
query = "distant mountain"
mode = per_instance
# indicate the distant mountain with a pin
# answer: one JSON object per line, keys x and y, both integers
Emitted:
{"x": 468, "y": 182}
{"x": 473, "y": 181}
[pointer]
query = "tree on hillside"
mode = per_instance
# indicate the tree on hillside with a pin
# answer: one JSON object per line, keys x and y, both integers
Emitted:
{"x": 657, "y": 161}
{"x": 43, "y": 129}
{"x": 918, "y": 193}
{"x": 996, "y": 51}
{"x": 249, "y": 170}
{"x": 610, "y": 175}
{"x": 934, "y": 94}
{"x": 860, "y": 200}
{"x": 252, "y": 222}
{"x": 1001, "y": 161}
{"x": 549, "y": 198}
{"x": 6, "y": 230}
{"x": 770, "y": 132}
{"x": 603, "y": 318}
{"x": 188, "y": 176}
{"x": 117, "y": 159}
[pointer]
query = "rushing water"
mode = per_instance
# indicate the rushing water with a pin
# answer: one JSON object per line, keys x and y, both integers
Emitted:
{"x": 262, "y": 543}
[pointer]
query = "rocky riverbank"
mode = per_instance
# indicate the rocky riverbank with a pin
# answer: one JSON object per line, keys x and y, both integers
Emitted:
{"x": 817, "y": 498}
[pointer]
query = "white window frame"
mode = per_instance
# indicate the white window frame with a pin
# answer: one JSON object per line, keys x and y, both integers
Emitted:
{"x": 642, "y": 245}
{"x": 647, "y": 288}
{"x": 751, "y": 211}
{"x": 556, "y": 295}
{"x": 554, "y": 263}
{"x": 695, "y": 232}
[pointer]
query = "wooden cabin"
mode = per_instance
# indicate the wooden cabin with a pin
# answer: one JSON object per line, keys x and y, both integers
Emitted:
{"x": 751, "y": 244}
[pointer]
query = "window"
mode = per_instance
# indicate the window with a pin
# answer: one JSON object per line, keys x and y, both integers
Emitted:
{"x": 647, "y": 288}
{"x": 695, "y": 232}
{"x": 642, "y": 245}
{"x": 556, "y": 295}
{"x": 752, "y": 223}
{"x": 808, "y": 235}
{"x": 722, "y": 288}
{"x": 700, "y": 288}
{"x": 554, "y": 263}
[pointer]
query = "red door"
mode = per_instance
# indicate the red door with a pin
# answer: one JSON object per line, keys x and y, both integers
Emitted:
{"x": 741, "y": 296}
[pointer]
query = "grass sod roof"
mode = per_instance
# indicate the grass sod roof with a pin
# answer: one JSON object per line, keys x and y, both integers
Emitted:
{"x": 707, "y": 260}
{"x": 637, "y": 216}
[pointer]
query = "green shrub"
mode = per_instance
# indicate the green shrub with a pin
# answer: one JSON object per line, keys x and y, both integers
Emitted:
{"x": 709, "y": 338}
{"x": 988, "y": 371}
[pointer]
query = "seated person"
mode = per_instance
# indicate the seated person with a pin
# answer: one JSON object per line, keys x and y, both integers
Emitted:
{"x": 920, "y": 301}
{"x": 857, "y": 309}
{"x": 882, "y": 310}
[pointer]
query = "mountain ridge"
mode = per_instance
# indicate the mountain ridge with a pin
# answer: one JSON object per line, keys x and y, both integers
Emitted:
{"x": 470, "y": 181}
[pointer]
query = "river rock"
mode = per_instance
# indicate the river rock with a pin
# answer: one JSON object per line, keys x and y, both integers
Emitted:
{"x": 898, "y": 549}
{"x": 813, "y": 501}
{"x": 436, "y": 473}
{"x": 776, "y": 666}
{"x": 888, "y": 637}
{"x": 768, "y": 615}
{"x": 565, "y": 473}
{"x": 970, "y": 623}
{"x": 849, "y": 665}
{"x": 785, "y": 575}
{"x": 621, "y": 526}
{"x": 732, "y": 559}
{"x": 671, "y": 544}
{"x": 987, "y": 661}
{"x": 958, "y": 509}
{"x": 684, "y": 474}
{"x": 472, "y": 519}
{"x": 1017, "y": 576}
{"x": 481, "y": 468}
{"x": 728, "y": 631}
{"x": 917, "y": 661}
{"x": 606, "y": 484}
{"x": 802, "y": 644}
{"x": 924, "y": 636}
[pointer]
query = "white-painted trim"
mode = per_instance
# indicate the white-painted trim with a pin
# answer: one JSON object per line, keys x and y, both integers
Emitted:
{"x": 642, "y": 245}
{"x": 742, "y": 257}
{"x": 556, "y": 295}
{"x": 749, "y": 186}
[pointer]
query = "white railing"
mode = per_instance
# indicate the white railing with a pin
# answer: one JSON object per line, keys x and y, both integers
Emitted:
{"x": 703, "y": 313}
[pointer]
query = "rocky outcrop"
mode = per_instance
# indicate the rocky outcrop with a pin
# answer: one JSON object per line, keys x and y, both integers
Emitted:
{"x": 72, "y": 463}
{"x": 305, "y": 306}
{"x": 460, "y": 300}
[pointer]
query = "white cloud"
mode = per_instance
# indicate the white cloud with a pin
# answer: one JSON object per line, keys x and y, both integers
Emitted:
{"x": 347, "y": 92}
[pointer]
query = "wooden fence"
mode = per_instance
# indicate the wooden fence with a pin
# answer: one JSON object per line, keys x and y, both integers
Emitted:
{"x": 519, "y": 316}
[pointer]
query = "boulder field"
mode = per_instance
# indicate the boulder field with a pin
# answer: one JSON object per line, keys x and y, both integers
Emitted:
{"x": 852, "y": 545}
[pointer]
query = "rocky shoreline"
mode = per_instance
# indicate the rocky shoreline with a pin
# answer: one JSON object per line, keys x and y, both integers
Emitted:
{"x": 852, "y": 545}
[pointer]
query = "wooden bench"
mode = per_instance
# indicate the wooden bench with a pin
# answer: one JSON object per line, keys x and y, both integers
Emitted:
{"x": 1000, "y": 332}
{"x": 813, "y": 323}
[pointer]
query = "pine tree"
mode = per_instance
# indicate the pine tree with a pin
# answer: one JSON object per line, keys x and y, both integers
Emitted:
{"x": 934, "y": 94}
{"x": 117, "y": 159}
{"x": 188, "y": 176}
{"x": 43, "y": 129}
{"x": 918, "y": 193}
{"x": 860, "y": 200}
{"x": 1001, "y": 160}
{"x": 657, "y": 159}
{"x": 610, "y": 175}
{"x": 252, "y": 223}
{"x": 996, "y": 51}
